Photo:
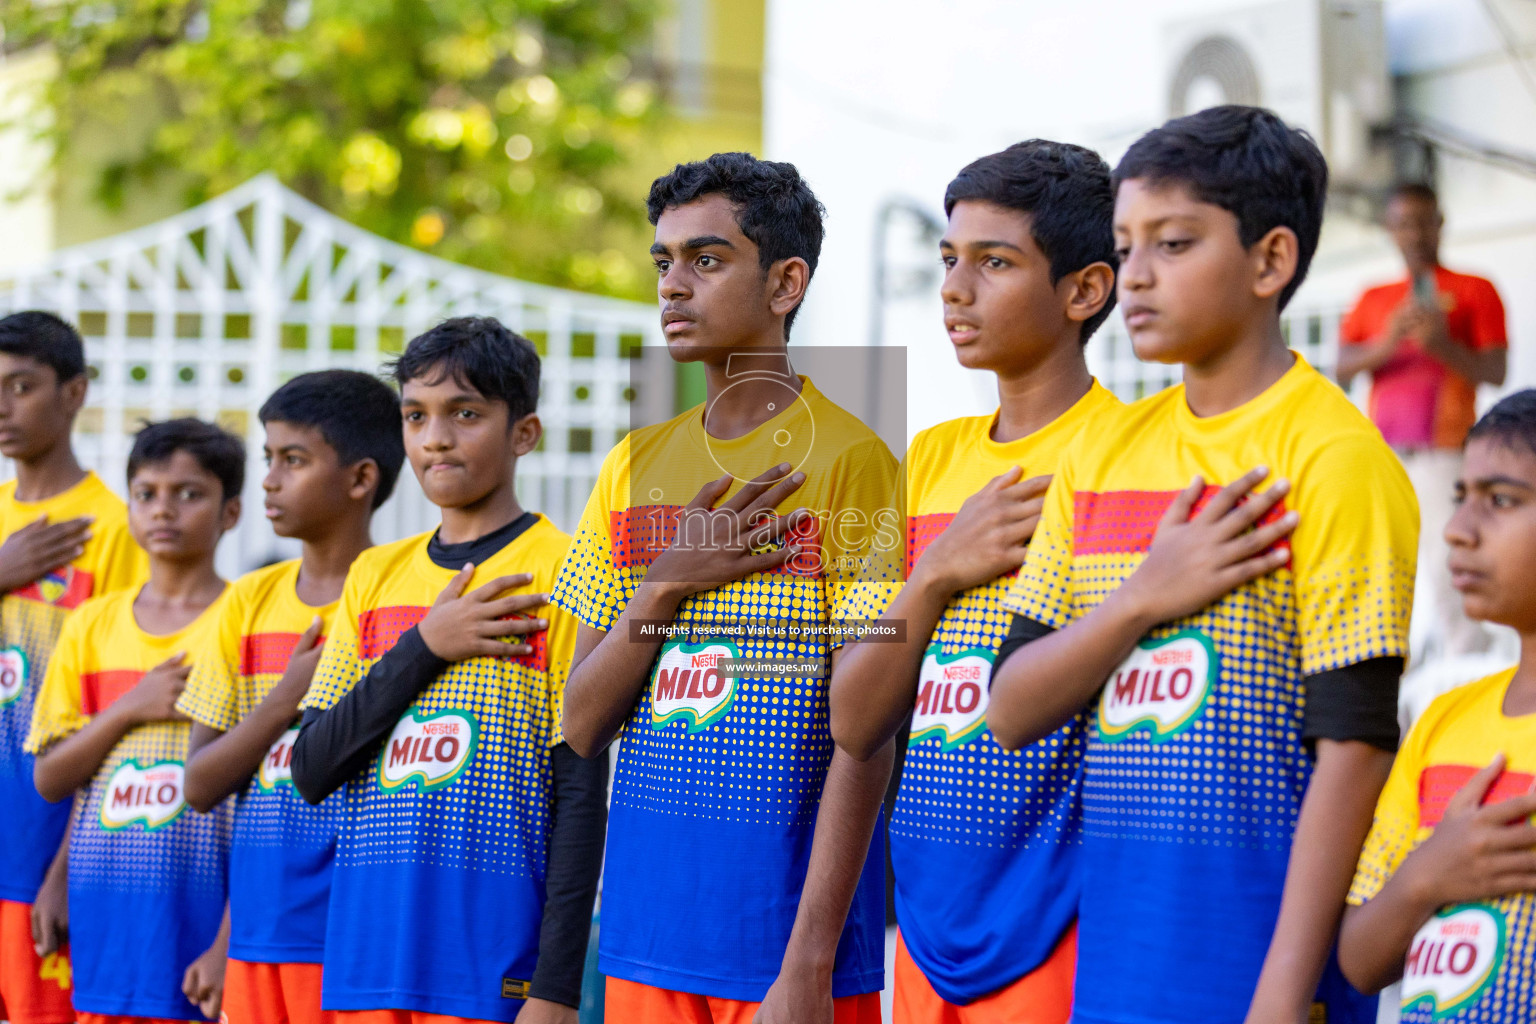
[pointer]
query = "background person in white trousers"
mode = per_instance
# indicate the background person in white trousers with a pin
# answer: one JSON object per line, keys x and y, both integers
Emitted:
{"x": 1428, "y": 340}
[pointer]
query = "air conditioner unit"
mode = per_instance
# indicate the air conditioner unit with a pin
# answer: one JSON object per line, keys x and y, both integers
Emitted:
{"x": 1320, "y": 64}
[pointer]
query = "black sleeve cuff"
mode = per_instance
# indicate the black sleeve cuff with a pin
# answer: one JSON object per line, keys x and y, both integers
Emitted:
{"x": 1356, "y": 702}
{"x": 1022, "y": 630}
{"x": 337, "y": 743}
{"x": 575, "y": 861}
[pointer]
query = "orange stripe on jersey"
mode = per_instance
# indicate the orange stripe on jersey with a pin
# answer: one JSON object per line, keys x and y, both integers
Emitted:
{"x": 1439, "y": 782}
{"x": 639, "y": 534}
{"x": 98, "y": 690}
{"x": 63, "y": 588}
{"x": 379, "y": 629}
{"x": 266, "y": 653}
{"x": 1123, "y": 522}
{"x": 922, "y": 531}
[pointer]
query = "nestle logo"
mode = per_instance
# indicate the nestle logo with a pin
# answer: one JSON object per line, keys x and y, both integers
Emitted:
{"x": 710, "y": 659}
{"x": 972, "y": 672}
{"x": 441, "y": 728}
{"x": 1173, "y": 656}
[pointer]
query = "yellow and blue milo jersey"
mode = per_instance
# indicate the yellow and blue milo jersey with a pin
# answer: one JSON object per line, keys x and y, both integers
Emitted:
{"x": 438, "y": 891}
{"x": 1470, "y": 963}
{"x": 719, "y": 775}
{"x": 30, "y": 621}
{"x": 985, "y": 842}
{"x": 281, "y": 852}
{"x": 146, "y": 873}
{"x": 1196, "y": 765}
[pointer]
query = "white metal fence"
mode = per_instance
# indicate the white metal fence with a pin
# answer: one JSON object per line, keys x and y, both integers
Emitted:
{"x": 207, "y": 312}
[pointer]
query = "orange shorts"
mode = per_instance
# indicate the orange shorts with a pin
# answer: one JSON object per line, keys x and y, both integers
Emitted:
{"x": 33, "y": 990}
{"x": 1043, "y": 996}
{"x": 398, "y": 1017}
{"x": 629, "y": 1001}
{"x": 273, "y": 994}
{"x": 105, "y": 1018}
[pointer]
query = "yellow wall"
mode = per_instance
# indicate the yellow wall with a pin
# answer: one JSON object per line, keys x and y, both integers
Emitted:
{"x": 26, "y": 202}
{"x": 731, "y": 63}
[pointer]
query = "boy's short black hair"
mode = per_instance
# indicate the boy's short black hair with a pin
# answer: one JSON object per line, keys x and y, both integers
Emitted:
{"x": 1414, "y": 190}
{"x": 42, "y": 336}
{"x": 1511, "y": 422}
{"x": 356, "y": 413}
{"x": 1067, "y": 192}
{"x": 1246, "y": 161}
{"x": 217, "y": 450}
{"x": 478, "y": 352}
{"x": 775, "y": 208}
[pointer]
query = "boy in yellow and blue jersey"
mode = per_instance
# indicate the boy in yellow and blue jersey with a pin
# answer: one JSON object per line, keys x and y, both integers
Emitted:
{"x": 985, "y": 841}
{"x": 333, "y": 452}
{"x": 740, "y": 882}
{"x": 63, "y": 539}
{"x": 1445, "y": 895}
{"x": 471, "y": 835}
{"x": 146, "y": 876}
{"x": 1240, "y": 649}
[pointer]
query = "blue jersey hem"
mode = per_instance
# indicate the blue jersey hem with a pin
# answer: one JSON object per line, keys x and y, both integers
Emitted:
{"x": 844, "y": 984}
{"x": 964, "y": 996}
{"x": 18, "y": 895}
{"x": 258, "y": 954}
{"x": 136, "y": 1008}
{"x": 501, "y": 1010}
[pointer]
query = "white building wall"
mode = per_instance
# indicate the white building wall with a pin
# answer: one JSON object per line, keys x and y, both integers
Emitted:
{"x": 875, "y": 99}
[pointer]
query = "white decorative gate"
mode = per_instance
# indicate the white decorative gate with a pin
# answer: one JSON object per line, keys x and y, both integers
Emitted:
{"x": 207, "y": 312}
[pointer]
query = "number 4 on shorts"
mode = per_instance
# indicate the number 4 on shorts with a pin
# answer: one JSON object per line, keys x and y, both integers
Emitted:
{"x": 56, "y": 968}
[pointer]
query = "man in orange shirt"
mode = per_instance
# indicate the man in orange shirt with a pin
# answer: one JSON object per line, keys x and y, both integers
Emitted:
{"x": 1428, "y": 341}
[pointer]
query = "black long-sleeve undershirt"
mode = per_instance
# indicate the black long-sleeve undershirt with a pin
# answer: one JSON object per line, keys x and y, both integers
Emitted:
{"x": 336, "y": 744}
{"x": 575, "y": 861}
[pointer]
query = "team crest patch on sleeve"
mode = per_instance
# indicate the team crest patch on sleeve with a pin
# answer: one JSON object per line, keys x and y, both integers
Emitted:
{"x": 277, "y": 766}
{"x": 1453, "y": 959}
{"x": 13, "y": 674}
{"x": 429, "y": 750}
{"x": 1162, "y": 687}
{"x": 688, "y": 685}
{"x": 952, "y": 692}
{"x": 152, "y": 795}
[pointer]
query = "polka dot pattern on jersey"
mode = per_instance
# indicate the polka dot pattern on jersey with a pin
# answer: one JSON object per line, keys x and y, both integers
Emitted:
{"x": 492, "y": 817}
{"x": 31, "y": 628}
{"x": 187, "y": 853}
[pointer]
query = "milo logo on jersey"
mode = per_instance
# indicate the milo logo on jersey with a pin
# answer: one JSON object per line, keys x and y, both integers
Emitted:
{"x": 151, "y": 795}
{"x": 1162, "y": 687}
{"x": 277, "y": 766}
{"x": 1453, "y": 959}
{"x": 430, "y": 750}
{"x": 687, "y": 685}
{"x": 952, "y": 692}
{"x": 13, "y": 674}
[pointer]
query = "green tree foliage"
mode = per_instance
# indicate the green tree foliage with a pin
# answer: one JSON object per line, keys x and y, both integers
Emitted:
{"x": 491, "y": 132}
